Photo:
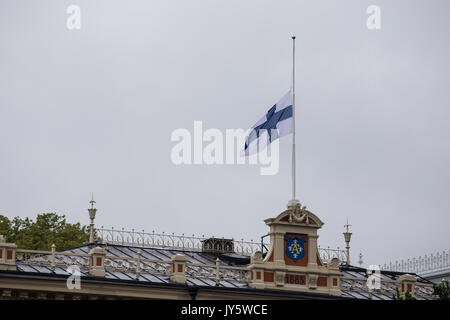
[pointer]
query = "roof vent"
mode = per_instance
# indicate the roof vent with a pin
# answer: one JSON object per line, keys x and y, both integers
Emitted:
{"x": 216, "y": 245}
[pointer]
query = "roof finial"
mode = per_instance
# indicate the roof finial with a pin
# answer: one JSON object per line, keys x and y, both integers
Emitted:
{"x": 347, "y": 237}
{"x": 347, "y": 225}
{"x": 360, "y": 261}
{"x": 92, "y": 211}
{"x": 92, "y": 202}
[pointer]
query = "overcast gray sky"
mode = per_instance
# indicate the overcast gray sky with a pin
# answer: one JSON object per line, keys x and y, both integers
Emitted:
{"x": 92, "y": 110}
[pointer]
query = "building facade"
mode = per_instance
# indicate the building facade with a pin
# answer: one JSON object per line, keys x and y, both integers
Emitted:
{"x": 117, "y": 264}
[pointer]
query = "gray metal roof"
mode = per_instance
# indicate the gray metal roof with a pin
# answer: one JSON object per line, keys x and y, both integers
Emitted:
{"x": 349, "y": 287}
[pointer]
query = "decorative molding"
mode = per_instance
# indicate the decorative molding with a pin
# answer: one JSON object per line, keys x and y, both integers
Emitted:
{"x": 298, "y": 214}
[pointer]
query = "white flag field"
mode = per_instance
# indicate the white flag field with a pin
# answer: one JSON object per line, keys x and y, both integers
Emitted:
{"x": 275, "y": 124}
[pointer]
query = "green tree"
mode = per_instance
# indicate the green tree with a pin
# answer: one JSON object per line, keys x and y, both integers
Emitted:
{"x": 397, "y": 296}
{"x": 442, "y": 290}
{"x": 48, "y": 229}
{"x": 5, "y": 226}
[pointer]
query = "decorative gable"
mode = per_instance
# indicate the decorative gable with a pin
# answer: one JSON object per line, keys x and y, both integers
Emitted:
{"x": 292, "y": 261}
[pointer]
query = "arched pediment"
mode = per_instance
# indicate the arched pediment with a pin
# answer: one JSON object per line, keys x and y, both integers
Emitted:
{"x": 296, "y": 216}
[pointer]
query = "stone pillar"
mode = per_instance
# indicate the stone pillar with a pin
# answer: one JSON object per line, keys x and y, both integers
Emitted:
{"x": 334, "y": 281}
{"x": 406, "y": 284}
{"x": 7, "y": 255}
{"x": 138, "y": 264}
{"x": 97, "y": 262}
{"x": 278, "y": 248}
{"x": 312, "y": 251}
{"x": 178, "y": 268}
{"x": 279, "y": 277}
{"x": 312, "y": 280}
{"x": 257, "y": 272}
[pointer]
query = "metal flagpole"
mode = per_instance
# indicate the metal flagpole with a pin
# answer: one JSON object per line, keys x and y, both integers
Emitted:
{"x": 294, "y": 200}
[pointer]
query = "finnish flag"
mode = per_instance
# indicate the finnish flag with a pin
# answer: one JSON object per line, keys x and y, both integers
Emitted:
{"x": 275, "y": 124}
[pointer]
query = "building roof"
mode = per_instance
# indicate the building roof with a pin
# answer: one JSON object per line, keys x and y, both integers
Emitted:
{"x": 353, "y": 282}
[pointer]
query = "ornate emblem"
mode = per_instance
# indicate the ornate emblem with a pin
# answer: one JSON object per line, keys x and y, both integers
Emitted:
{"x": 295, "y": 248}
{"x": 298, "y": 214}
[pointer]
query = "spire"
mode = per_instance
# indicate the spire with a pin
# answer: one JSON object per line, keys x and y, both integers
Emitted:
{"x": 347, "y": 237}
{"x": 92, "y": 211}
{"x": 92, "y": 202}
{"x": 347, "y": 225}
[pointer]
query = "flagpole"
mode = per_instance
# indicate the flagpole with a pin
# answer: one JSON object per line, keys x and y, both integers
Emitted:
{"x": 294, "y": 200}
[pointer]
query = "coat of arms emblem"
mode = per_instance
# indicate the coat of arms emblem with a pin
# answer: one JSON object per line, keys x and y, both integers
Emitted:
{"x": 295, "y": 248}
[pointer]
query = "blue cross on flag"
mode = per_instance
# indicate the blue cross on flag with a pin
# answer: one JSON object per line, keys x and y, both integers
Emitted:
{"x": 275, "y": 124}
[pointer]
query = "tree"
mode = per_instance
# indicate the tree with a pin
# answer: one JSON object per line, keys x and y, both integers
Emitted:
{"x": 442, "y": 290}
{"x": 48, "y": 229}
{"x": 397, "y": 296}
